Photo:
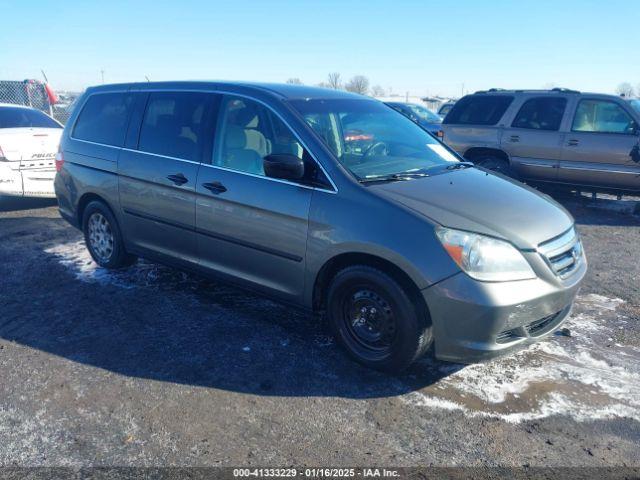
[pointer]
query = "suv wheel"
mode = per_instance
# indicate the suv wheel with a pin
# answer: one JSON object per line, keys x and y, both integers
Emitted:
{"x": 102, "y": 237}
{"x": 374, "y": 319}
{"x": 495, "y": 164}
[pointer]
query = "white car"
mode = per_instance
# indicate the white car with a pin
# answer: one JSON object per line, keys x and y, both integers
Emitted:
{"x": 29, "y": 142}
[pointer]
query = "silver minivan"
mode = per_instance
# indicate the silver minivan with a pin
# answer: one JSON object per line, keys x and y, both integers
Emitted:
{"x": 325, "y": 200}
{"x": 555, "y": 136}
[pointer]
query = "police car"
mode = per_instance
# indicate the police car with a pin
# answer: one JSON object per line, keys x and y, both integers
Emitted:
{"x": 28, "y": 145}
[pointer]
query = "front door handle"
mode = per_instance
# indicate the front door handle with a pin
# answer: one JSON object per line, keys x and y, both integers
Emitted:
{"x": 215, "y": 187}
{"x": 178, "y": 179}
{"x": 514, "y": 138}
{"x": 572, "y": 143}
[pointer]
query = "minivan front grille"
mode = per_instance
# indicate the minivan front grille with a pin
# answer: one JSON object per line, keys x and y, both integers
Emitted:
{"x": 563, "y": 254}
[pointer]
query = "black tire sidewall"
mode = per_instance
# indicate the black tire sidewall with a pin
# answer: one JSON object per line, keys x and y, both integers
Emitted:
{"x": 410, "y": 323}
{"x": 488, "y": 160}
{"x": 119, "y": 258}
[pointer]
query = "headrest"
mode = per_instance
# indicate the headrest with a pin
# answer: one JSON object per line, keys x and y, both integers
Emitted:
{"x": 235, "y": 137}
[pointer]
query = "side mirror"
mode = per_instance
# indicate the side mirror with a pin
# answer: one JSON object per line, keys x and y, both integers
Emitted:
{"x": 284, "y": 166}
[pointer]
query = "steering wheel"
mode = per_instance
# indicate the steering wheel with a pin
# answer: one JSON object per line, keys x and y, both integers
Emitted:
{"x": 378, "y": 148}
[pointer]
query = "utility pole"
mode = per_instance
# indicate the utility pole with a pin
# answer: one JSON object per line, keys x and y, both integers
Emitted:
{"x": 102, "y": 74}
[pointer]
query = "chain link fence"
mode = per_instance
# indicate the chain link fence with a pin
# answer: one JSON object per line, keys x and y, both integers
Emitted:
{"x": 38, "y": 95}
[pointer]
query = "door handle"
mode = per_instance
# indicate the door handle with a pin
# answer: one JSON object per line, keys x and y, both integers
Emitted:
{"x": 215, "y": 187}
{"x": 514, "y": 138}
{"x": 572, "y": 143}
{"x": 178, "y": 179}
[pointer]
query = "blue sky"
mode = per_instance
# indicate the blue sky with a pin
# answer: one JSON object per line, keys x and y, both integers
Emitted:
{"x": 421, "y": 47}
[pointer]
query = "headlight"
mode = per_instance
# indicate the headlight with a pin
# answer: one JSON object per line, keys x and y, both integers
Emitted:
{"x": 485, "y": 258}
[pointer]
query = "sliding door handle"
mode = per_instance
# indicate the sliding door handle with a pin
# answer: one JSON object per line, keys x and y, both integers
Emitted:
{"x": 215, "y": 187}
{"x": 178, "y": 179}
{"x": 572, "y": 143}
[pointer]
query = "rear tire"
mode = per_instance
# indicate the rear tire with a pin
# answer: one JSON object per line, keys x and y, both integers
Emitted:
{"x": 495, "y": 164}
{"x": 375, "y": 321}
{"x": 103, "y": 238}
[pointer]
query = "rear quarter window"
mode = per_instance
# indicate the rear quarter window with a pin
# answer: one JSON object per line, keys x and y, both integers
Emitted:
{"x": 104, "y": 119}
{"x": 479, "y": 110}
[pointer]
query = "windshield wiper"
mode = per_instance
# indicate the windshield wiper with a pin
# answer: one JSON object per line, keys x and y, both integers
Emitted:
{"x": 393, "y": 177}
{"x": 456, "y": 166}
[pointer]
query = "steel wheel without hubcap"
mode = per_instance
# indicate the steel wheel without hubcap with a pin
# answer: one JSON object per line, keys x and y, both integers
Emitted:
{"x": 100, "y": 237}
{"x": 369, "y": 321}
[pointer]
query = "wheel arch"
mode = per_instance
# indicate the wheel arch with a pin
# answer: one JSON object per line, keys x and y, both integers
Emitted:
{"x": 343, "y": 260}
{"x": 85, "y": 200}
{"x": 477, "y": 152}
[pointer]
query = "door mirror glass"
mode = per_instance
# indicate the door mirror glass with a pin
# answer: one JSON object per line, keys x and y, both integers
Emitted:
{"x": 283, "y": 166}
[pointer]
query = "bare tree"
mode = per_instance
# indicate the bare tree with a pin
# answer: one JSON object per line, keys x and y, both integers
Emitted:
{"x": 323, "y": 85}
{"x": 295, "y": 81}
{"x": 625, "y": 89}
{"x": 334, "y": 81}
{"x": 358, "y": 84}
{"x": 378, "y": 91}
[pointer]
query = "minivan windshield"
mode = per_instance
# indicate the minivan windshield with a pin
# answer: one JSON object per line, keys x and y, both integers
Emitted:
{"x": 374, "y": 141}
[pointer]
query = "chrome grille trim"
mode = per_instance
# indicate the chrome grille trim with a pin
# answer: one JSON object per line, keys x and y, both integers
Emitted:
{"x": 563, "y": 254}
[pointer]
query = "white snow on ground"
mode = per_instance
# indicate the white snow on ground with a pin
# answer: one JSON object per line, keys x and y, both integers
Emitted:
{"x": 76, "y": 257}
{"x": 586, "y": 376}
{"x": 589, "y": 375}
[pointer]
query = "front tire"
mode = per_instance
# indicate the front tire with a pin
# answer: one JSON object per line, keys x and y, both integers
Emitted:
{"x": 374, "y": 319}
{"x": 103, "y": 238}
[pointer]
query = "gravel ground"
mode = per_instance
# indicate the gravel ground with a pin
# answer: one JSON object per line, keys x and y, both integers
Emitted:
{"x": 151, "y": 366}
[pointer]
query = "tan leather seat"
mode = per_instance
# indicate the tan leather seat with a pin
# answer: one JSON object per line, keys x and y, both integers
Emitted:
{"x": 237, "y": 155}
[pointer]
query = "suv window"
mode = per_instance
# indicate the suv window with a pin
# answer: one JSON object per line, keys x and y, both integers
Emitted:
{"x": 17, "y": 117}
{"x": 543, "y": 113}
{"x": 104, "y": 118}
{"x": 247, "y": 132}
{"x": 173, "y": 125}
{"x": 479, "y": 110}
{"x": 602, "y": 116}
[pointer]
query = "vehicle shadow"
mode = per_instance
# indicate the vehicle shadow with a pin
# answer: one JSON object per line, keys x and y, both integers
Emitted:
{"x": 158, "y": 323}
{"x": 12, "y": 204}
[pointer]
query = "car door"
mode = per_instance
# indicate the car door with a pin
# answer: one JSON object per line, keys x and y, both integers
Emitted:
{"x": 251, "y": 227}
{"x": 534, "y": 139}
{"x": 601, "y": 148}
{"x": 158, "y": 172}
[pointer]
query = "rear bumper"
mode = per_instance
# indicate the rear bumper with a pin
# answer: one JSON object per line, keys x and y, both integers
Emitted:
{"x": 26, "y": 183}
{"x": 475, "y": 321}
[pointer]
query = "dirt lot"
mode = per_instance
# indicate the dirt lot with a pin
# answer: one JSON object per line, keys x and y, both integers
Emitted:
{"x": 151, "y": 366}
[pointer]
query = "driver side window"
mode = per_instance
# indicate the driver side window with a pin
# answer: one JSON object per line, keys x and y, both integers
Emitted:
{"x": 248, "y": 132}
{"x": 602, "y": 116}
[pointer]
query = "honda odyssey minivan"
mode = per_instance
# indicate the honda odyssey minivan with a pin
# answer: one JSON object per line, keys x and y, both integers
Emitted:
{"x": 326, "y": 200}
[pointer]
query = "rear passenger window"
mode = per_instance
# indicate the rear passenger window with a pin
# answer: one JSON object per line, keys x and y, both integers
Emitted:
{"x": 173, "y": 125}
{"x": 479, "y": 110}
{"x": 104, "y": 118}
{"x": 541, "y": 113}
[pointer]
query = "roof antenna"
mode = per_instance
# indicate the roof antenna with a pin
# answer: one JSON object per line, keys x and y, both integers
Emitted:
{"x": 46, "y": 80}
{"x": 147, "y": 79}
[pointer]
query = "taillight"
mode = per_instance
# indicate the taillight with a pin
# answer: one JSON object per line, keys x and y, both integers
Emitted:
{"x": 59, "y": 161}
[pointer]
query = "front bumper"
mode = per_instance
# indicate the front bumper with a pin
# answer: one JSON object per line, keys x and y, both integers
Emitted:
{"x": 475, "y": 321}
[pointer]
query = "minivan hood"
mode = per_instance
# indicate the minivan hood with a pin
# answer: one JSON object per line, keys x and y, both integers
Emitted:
{"x": 478, "y": 201}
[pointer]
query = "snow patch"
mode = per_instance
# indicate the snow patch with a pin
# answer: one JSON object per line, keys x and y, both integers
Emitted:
{"x": 584, "y": 376}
